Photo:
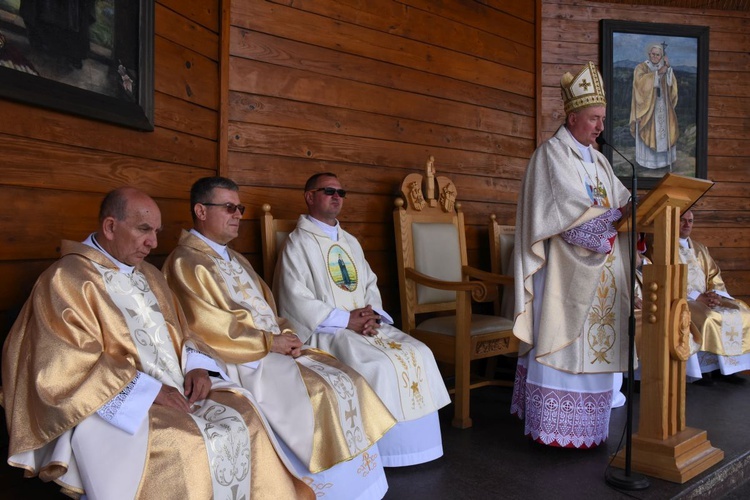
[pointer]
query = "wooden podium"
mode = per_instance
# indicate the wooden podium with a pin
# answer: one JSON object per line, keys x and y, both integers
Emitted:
{"x": 664, "y": 446}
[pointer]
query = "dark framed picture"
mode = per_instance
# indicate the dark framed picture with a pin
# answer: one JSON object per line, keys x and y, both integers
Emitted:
{"x": 656, "y": 81}
{"x": 92, "y": 58}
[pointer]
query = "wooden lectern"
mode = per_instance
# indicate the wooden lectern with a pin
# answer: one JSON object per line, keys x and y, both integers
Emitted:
{"x": 664, "y": 446}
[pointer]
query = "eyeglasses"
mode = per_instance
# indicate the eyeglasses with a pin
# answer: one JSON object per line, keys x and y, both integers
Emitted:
{"x": 329, "y": 191}
{"x": 231, "y": 207}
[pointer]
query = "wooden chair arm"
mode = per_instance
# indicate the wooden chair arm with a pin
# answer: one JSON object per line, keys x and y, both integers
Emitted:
{"x": 477, "y": 289}
{"x": 494, "y": 278}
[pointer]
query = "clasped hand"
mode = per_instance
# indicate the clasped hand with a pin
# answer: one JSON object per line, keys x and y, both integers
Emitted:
{"x": 287, "y": 344}
{"x": 364, "y": 321}
{"x": 197, "y": 387}
{"x": 711, "y": 299}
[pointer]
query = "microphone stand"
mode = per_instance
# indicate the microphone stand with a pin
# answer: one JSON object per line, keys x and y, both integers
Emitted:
{"x": 615, "y": 477}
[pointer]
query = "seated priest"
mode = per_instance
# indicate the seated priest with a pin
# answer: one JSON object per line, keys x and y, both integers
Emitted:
{"x": 719, "y": 323}
{"x": 324, "y": 413}
{"x": 106, "y": 391}
{"x": 326, "y": 287}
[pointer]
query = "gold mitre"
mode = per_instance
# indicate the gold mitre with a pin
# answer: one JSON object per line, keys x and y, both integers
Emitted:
{"x": 583, "y": 90}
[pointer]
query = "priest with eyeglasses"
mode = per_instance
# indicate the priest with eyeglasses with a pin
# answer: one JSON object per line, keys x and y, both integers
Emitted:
{"x": 325, "y": 415}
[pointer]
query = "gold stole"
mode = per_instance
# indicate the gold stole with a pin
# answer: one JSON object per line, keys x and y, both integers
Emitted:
{"x": 350, "y": 412}
{"x": 602, "y": 326}
{"x": 224, "y": 430}
{"x": 242, "y": 290}
{"x": 348, "y": 294}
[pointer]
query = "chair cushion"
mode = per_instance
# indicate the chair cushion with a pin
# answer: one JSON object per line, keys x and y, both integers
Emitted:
{"x": 437, "y": 254}
{"x": 480, "y": 324}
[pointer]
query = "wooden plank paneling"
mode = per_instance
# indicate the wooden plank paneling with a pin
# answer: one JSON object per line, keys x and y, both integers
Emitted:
{"x": 729, "y": 168}
{"x": 327, "y": 32}
{"x": 186, "y": 74}
{"x": 33, "y": 163}
{"x": 265, "y": 79}
{"x": 281, "y": 141}
{"x": 448, "y": 25}
{"x": 162, "y": 144}
{"x": 304, "y": 56}
{"x": 182, "y": 116}
{"x": 203, "y": 12}
{"x": 486, "y": 16}
{"x": 258, "y": 109}
{"x": 189, "y": 34}
{"x": 728, "y": 106}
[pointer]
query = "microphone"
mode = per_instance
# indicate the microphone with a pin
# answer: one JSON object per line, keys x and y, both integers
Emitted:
{"x": 628, "y": 480}
{"x": 600, "y": 140}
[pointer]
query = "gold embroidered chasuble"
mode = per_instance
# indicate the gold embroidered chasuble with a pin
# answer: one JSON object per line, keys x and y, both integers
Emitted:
{"x": 78, "y": 342}
{"x": 315, "y": 275}
{"x": 722, "y": 330}
{"x": 585, "y": 302}
{"x": 322, "y": 409}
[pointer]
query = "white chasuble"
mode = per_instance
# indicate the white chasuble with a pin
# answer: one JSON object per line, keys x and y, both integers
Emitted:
{"x": 572, "y": 303}
{"x": 316, "y": 276}
{"x": 414, "y": 399}
{"x": 602, "y": 344}
{"x": 224, "y": 430}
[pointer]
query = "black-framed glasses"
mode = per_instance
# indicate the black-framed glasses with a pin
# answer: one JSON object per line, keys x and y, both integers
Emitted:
{"x": 231, "y": 207}
{"x": 329, "y": 191}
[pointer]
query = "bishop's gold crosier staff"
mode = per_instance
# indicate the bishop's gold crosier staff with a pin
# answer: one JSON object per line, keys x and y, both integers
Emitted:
{"x": 664, "y": 93}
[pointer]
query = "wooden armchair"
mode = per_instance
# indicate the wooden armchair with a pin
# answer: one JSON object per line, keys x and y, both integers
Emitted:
{"x": 273, "y": 234}
{"x": 435, "y": 280}
{"x": 502, "y": 240}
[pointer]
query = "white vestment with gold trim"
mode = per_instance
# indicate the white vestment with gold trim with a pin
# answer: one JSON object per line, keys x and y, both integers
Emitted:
{"x": 572, "y": 303}
{"x": 315, "y": 275}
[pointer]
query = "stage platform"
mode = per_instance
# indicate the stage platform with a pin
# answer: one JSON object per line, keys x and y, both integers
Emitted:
{"x": 493, "y": 460}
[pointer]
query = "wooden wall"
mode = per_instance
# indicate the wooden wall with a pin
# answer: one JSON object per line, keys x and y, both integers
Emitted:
{"x": 365, "y": 89}
{"x": 56, "y": 167}
{"x": 369, "y": 90}
{"x": 570, "y": 38}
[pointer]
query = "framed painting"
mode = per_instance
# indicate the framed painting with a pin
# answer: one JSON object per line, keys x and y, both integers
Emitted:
{"x": 656, "y": 80}
{"x": 92, "y": 58}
